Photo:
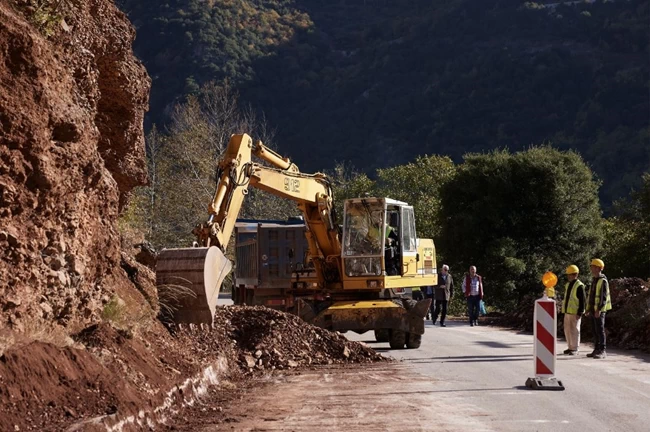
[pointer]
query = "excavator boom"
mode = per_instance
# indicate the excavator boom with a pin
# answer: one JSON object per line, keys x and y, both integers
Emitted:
{"x": 202, "y": 270}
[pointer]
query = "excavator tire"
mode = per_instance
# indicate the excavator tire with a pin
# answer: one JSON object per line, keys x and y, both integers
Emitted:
{"x": 413, "y": 340}
{"x": 382, "y": 335}
{"x": 397, "y": 339}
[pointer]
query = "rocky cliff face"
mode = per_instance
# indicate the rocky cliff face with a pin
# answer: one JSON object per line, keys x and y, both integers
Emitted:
{"x": 72, "y": 101}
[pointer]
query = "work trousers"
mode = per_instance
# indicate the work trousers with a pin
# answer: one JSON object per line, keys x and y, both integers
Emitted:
{"x": 572, "y": 331}
{"x": 473, "y": 306}
{"x": 599, "y": 332}
{"x": 441, "y": 306}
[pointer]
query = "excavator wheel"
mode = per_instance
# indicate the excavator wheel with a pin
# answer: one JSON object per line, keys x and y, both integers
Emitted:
{"x": 397, "y": 339}
{"x": 382, "y": 335}
{"x": 413, "y": 340}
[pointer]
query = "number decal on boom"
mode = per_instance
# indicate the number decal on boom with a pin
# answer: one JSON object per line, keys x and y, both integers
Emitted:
{"x": 292, "y": 185}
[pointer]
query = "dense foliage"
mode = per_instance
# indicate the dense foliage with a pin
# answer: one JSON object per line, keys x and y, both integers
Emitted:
{"x": 515, "y": 216}
{"x": 378, "y": 83}
{"x": 627, "y": 236}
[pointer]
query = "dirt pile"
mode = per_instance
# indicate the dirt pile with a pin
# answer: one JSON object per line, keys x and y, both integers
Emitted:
{"x": 628, "y": 323}
{"x": 72, "y": 101}
{"x": 268, "y": 339}
{"x": 108, "y": 372}
{"x": 117, "y": 373}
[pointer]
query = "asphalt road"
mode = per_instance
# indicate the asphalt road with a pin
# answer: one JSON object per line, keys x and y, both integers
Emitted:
{"x": 486, "y": 368}
{"x": 462, "y": 378}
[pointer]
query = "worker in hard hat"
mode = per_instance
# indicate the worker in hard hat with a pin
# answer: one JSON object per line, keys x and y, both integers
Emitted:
{"x": 573, "y": 307}
{"x": 598, "y": 303}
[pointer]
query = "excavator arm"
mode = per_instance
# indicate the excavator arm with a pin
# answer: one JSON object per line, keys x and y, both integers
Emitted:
{"x": 236, "y": 173}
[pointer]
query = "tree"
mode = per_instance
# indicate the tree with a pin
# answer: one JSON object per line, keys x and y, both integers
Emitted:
{"x": 182, "y": 167}
{"x": 627, "y": 236}
{"x": 347, "y": 183}
{"x": 518, "y": 215}
{"x": 418, "y": 183}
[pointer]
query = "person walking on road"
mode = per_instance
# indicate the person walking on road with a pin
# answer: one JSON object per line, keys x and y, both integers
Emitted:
{"x": 444, "y": 291}
{"x": 598, "y": 303}
{"x": 473, "y": 289}
{"x": 573, "y": 306}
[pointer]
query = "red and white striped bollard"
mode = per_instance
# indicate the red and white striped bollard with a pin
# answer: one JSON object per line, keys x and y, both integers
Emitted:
{"x": 545, "y": 346}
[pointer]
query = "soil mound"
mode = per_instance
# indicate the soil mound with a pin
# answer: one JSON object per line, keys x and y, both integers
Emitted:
{"x": 266, "y": 338}
{"x": 114, "y": 371}
{"x": 628, "y": 323}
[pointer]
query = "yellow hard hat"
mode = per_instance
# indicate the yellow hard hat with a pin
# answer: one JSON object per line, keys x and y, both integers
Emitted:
{"x": 598, "y": 263}
{"x": 572, "y": 269}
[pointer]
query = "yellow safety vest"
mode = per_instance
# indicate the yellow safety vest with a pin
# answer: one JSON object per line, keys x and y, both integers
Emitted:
{"x": 374, "y": 231}
{"x": 572, "y": 303}
{"x": 596, "y": 294}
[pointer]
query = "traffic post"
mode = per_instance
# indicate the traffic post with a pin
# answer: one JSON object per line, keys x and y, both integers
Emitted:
{"x": 545, "y": 339}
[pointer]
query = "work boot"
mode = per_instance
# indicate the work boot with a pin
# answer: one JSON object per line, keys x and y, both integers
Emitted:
{"x": 476, "y": 323}
{"x": 443, "y": 324}
{"x": 567, "y": 351}
{"x": 471, "y": 323}
{"x": 600, "y": 355}
{"x": 593, "y": 353}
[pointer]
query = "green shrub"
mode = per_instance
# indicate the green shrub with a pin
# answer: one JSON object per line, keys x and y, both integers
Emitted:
{"x": 515, "y": 216}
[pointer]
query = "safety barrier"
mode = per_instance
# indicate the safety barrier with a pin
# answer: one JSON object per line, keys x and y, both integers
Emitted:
{"x": 544, "y": 351}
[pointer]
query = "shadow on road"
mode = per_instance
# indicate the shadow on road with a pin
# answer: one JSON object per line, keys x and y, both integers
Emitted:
{"x": 472, "y": 359}
{"x": 493, "y": 344}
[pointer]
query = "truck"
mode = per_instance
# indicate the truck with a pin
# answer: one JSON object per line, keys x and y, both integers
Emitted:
{"x": 267, "y": 253}
{"x": 351, "y": 272}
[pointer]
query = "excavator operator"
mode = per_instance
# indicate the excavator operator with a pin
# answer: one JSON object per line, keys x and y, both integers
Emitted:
{"x": 391, "y": 251}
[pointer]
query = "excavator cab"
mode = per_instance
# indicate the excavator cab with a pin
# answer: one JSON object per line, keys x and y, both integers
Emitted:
{"x": 379, "y": 243}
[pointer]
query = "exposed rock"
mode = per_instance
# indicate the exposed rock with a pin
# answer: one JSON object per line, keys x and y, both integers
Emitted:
{"x": 72, "y": 101}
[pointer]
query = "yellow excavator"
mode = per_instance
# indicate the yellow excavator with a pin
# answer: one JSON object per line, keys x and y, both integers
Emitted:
{"x": 350, "y": 277}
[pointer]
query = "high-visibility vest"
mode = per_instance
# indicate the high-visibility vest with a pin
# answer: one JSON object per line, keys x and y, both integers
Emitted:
{"x": 374, "y": 231}
{"x": 572, "y": 303}
{"x": 596, "y": 298}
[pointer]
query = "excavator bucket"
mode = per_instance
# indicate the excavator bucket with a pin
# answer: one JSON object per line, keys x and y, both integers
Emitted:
{"x": 189, "y": 281}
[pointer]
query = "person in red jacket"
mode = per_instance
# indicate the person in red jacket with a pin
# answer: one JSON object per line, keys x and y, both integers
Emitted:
{"x": 473, "y": 288}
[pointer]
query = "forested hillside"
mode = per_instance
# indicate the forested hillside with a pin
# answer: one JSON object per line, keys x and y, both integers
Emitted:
{"x": 378, "y": 82}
